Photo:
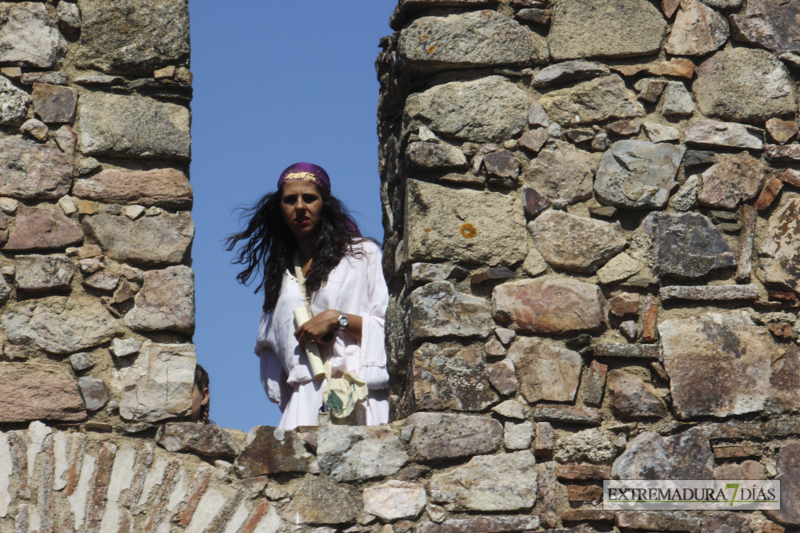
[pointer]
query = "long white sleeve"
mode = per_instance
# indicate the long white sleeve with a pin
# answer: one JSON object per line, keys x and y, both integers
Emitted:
{"x": 273, "y": 377}
{"x": 373, "y": 339}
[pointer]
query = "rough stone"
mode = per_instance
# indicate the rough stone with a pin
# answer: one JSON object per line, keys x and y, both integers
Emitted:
{"x": 697, "y": 30}
{"x": 133, "y": 126}
{"x": 781, "y": 131}
{"x": 718, "y": 293}
{"x": 595, "y": 384}
{"x": 81, "y": 361}
{"x": 634, "y": 351}
{"x": 619, "y": 268}
{"x": 165, "y": 302}
{"x": 539, "y": 16}
{"x": 272, "y": 451}
{"x": 503, "y": 377}
{"x": 35, "y": 128}
{"x": 446, "y": 436}
{"x": 463, "y": 225}
{"x": 477, "y": 39}
{"x": 595, "y": 28}
{"x": 546, "y": 371}
{"x": 94, "y": 392}
{"x": 725, "y": 134}
{"x": 502, "y": 164}
{"x": 53, "y": 103}
{"x": 736, "y": 179}
{"x": 41, "y": 228}
{"x": 205, "y": 439}
{"x": 776, "y": 154}
{"x": 505, "y": 482}
{"x": 650, "y": 89}
{"x": 568, "y": 71}
{"x": 451, "y": 378}
{"x": 768, "y": 23}
{"x": 159, "y": 383}
{"x": 13, "y": 102}
{"x": 744, "y": 85}
{"x": 623, "y": 304}
{"x": 534, "y": 140}
{"x": 482, "y": 524}
{"x": 148, "y": 241}
{"x": 511, "y": 409}
{"x": 660, "y": 133}
{"x": 395, "y": 500}
{"x": 348, "y": 453}
{"x": 562, "y": 172}
{"x": 624, "y": 127}
{"x": 686, "y": 245}
{"x": 105, "y": 280}
{"x": 69, "y": 16}
{"x": 43, "y": 272}
{"x": 719, "y": 364}
{"x": 677, "y": 100}
{"x": 426, "y": 272}
{"x": 320, "y": 500}
{"x": 435, "y": 156}
{"x": 590, "y": 445}
{"x": 633, "y": 398}
{"x": 487, "y": 109}
{"x": 789, "y": 476}
{"x": 161, "y": 187}
{"x": 58, "y": 324}
{"x": 576, "y": 243}
{"x": 698, "y": 158}
{"x": 32, "y": 391}
{"x": 660, "y": 520}
{"x": 584, "y": 493}
{"x": 543, "y": 443}
{"x": 587, "y": 515}
{"x": 537, "y": 116}
{"x": 66, "y": 139}
{"x": 637, "y": 174}
{"x": 534, "y": 202}
{"x": 592, "y": 101}
{"x": 781, "y": 250}
{"x": 677, "y": 67}
{"x": 518, "y": 436}
{"x": 567, "y": 414}
{"x": 768, "y": 194}
{"x": 439, "y": 310}
{"x": 133, "y": 36}
{"x": 686, "y": 455}
{"x": 28, "y": 36}
{"x": 125, "y": 347}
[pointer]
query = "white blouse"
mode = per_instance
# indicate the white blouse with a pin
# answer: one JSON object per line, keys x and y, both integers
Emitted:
{"x": 356, "y": 286}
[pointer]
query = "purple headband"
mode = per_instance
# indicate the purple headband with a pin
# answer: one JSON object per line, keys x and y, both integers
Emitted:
{"x": 306, "y": 172}
{"x": 317, "y": 175}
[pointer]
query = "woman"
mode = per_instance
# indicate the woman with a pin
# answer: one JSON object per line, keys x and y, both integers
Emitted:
{"x": 302, "y": 225}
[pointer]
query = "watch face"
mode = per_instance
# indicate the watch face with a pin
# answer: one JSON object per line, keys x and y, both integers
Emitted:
{"x": 343, "y": 322}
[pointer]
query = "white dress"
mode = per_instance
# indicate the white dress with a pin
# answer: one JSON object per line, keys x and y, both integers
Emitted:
{"x": 356, "y": 286}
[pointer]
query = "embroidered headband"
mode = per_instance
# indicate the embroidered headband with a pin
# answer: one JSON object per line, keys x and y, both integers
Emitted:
{"x": 306, "y": 172}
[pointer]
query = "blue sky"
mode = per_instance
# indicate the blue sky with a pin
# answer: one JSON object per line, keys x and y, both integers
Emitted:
{"x": 274, "y": 83}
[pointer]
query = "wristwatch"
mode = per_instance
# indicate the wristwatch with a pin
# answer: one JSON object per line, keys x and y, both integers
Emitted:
{"x": 342, "y": 322}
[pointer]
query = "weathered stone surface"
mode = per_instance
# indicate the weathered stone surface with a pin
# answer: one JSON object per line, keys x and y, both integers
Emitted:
{"x": 719, "y": 364}
{"x": 446, "y": 436}
{"x": 543, "y": 443}
{"x": 205, "y": 439}
{"x": 426, "y": 272}
{"x": 320, "y": 500}
{"x": 768, "y": 23}
{"x": 595, "y": 384}
{"x": 650, "y": 89}
{"x": 66, "y": 139}
{"x": 781, "y": 261}
{"x": 503, "y": 378}
{"x": 677, "y": 100}
{"x": 533, "y": 201}
{"x": 789, "y": 476}
{"x": 567, "y": 414}
{"x": 686, "y": 455}
{"x": 58, "y": 324}
{"x": 28, "y": 36}
{"x": 518, "y": 436}
{"x": 451, "y": 378}
{"x": 487, "y": 109}
{"x": 53, "y": 103}
{"x": 660, "y": 133}
{"x": 549, "y": 304}
{"x": 105, "y": 280}
{"x": 725, "y": 134}
{"x": 697, "y": 30}
{"x": 133, "y": 36}
{"x": 439, "y": 310}
{"x": 502, "y": 164}
{"x": 635, "y": 351}
{"x": 161, "y": 187}
{"x": 633, "y": 398}
{"x": 546, "y": 371}
{"x": 594, "y": 28}
{"x": 677, "y": 66}
{"x": 81, "y": 361}
{"x": 32, "y": 391}
{"x": 511, "y": 409}
{"x": 436, "y": 156}
{"x": 534, "y": 140}
{"x": 660, "y": 520}
{"x": 477, "y": 39}
{"x": 505, "y": 482}
{"x": 768, "y": 194}
{"x": 562, "y": 172}
{"x": 42, "y": 229}
{"x": 624, "y": 127}
{"x": 591, "y": 101}
{"x": 463, "y": 225}
{"x": 637, "y": 174}
{"x": 734, "y": 180}
{"x": 626, "y": 303}
{"x": 590, "y": 445}
{"x": 781, "y": 131}
{"x": 125, "y": 347}
{"x": 749, "y": 220}
{"x": 686, "y": 245}
{"x": 272, "y": 451}
{"x": 744, "y": 85}
{"x": 166, "y": 301}
{"x": 395, "y": 500}
{"x": 537, "y": 116}
{"x": 133, "y": 126}
{"x": 576, "y": 243}
{"x": 148, "y": 241}
{"x": 43, "y": 272}
{"x": 35, "y": 128}
{"x": 13, "y": 103}
{"x": 348, "y": 453}
{"x": 482, "y": 524}
{"x": 537, "y": 15}
{"x": 619, "y": 268}
{"x": 568, "y": 71}
{"x": 718, "y": 293}
{"x": 775, "y": 153}
{"x": 94, "y": 392}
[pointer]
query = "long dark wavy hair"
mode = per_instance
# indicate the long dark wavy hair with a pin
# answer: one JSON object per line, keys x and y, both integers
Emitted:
{"x": 269, "y": 245}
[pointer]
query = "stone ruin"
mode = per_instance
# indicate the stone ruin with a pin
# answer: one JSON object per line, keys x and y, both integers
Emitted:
{"x": 591, "y": 214}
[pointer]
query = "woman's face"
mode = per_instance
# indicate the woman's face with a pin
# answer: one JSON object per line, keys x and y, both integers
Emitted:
{"x": 301, "y": 205}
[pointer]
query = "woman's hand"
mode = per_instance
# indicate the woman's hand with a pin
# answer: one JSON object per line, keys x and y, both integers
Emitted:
{"x": 317, "y": 327}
